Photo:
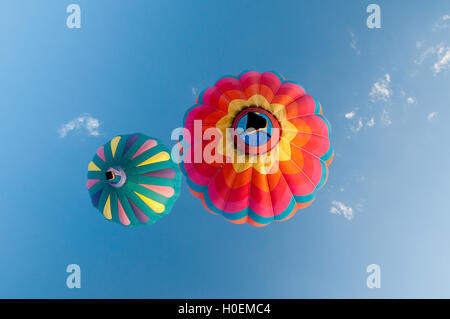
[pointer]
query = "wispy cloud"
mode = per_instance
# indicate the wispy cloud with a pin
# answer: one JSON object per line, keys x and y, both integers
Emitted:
{"x": 442, "y": 23}
{"x": 362, "y": 122}
{"x": 350, "y": 115}
{"x": 443, "y": 60}
{"x": 358, "y": 122}
{"x": 340, "y": 208}
{"x": 410, "y": 100}
{"x": 358, "y": 126}
{"x": 194, "y": 91}
{"x": 85, "y": 123}
{"x": 353, "y": 43}
{"x": 381, "y": 89}
{"x": 442, "y": 54}
{"x": 432, "y": 116}
{"x": 386, "y": 118}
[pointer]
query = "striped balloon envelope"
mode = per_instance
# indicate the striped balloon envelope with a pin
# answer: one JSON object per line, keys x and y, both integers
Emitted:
{"x": 132, "y": 180}
{"x": 256, "y": 148}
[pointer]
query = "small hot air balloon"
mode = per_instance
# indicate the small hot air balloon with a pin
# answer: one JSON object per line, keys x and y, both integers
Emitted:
{"x": 273, "y": 152}
{"x": 132, "y": 180}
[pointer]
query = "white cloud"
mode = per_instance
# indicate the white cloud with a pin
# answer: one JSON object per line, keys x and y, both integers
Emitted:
{"x": 442, "y": 23}
{"x": 194, "y": 91}
{"x": 353, "y": 43}
{"x": 386, "y": 118}
{"x": 410, "y": 100}
{"x": 358, "y": 124}
{"x": 441, "y": 53}
{"x": 381, "y": 89}
{"x": 340, "y": 208}
{"x": 357, "y": 127}
{"x": 419, "y": 44}
{"x": 424, "y": 55}
{"x": 85, "y": 123}
{"x": 443, "y": 60}
{"x": 431, "y": 116}
{"x": 350, "y": 115}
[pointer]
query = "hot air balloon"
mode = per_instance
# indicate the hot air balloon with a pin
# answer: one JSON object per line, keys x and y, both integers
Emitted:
{"x": 255, "y": 148}
{"x": 132, "y": 180}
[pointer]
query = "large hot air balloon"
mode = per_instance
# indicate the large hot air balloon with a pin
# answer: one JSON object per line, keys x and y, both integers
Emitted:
{"x": 132, "y": 180}
{"x": 255, "y": 148}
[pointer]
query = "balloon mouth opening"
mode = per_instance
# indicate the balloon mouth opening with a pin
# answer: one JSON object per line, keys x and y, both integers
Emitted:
{"x": 116, "y": 176}
{"x": 256, "y": 130}
{"x": 109, "y": 175}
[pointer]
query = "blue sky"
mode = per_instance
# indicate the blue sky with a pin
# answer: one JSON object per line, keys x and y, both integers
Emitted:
{"x": 136, "y": 66}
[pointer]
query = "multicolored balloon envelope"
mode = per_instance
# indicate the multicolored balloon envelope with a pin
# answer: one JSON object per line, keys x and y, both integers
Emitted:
{"x": 132, "y": 180}
{"x": 256, "y": 148}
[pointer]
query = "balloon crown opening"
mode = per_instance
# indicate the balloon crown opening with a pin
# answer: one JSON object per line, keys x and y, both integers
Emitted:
{"x": 255, "y": 122}
{"x": 109, "y": 175}
{"x": 258, "y": 130}
{"x": 116, "y": 176}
